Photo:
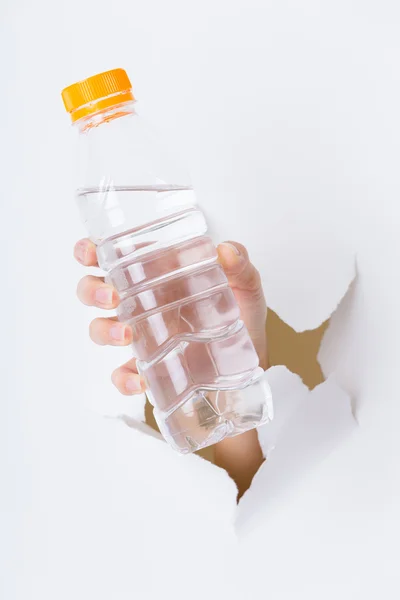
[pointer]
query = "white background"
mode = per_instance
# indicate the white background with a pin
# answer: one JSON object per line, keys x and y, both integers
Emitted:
{"x": 288, "y": 116}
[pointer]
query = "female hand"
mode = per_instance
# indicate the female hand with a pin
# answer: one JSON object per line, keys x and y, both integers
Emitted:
{"x": 241, "y": 455}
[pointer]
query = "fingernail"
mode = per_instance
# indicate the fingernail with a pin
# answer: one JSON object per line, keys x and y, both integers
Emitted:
{"x": 231, "y": 247}
{"x": 134, "y": 384}
{"x": 104, "y": 295}
{"x": 80, "y": 253}
{"x": 118, "y": 333}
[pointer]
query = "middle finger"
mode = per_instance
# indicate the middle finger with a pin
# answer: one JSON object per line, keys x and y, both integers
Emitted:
{"x": 92, "y": 291}
{"x": 110, "y": 332}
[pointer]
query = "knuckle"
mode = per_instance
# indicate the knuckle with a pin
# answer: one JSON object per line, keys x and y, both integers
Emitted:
{"x": 255, "y": 279}
{"x": 115, "y": 377}
{"x": 82, "y": 287}
{"x": 92, "y": 331}
{"x": 95, "y": 332}
{"x": 252, "y": 279}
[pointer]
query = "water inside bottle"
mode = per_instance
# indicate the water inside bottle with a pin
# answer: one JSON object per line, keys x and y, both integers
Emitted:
{"x": 108, "y": 210}
{"x": 192, "y": 348}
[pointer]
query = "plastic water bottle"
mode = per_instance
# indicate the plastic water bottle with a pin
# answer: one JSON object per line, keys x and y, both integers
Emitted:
{"x": 196, "y": 356}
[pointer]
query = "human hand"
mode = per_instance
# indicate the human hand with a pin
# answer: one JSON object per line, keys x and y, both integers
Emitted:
{"x": 240, "y": 456}
{"x": 243, "y": 278}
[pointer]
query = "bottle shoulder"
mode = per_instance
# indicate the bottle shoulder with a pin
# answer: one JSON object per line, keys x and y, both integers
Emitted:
{"x": 126, "y": 153}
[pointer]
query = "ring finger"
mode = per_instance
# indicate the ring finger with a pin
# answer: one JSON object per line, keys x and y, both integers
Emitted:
{"x": 92, "y": 291}
{"x": 127, "y": 380}
{"x": 110, "y": 332}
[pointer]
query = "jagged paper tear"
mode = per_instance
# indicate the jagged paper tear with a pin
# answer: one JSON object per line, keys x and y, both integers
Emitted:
{"x": 308, "y": 425}
{"x": 306, "y": 265}
{"x": 308, "y": 276}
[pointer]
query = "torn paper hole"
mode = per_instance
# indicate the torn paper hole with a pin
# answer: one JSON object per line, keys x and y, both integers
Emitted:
{"x": 308, "y": 426}
{"x": 341, "y": 340}
{"x": 306, "y": 275}
{"x": 297, "y": 351}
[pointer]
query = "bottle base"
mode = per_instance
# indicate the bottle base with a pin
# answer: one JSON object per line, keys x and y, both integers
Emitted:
{"x": 209, "y": 416}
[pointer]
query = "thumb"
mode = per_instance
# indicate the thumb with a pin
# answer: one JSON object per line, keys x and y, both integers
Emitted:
{"x": 245, "y": 281}
{"x": 241, "y": 273}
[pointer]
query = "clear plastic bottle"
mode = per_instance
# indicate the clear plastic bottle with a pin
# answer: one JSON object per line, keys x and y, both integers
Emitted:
{"x": 199, "y": 363}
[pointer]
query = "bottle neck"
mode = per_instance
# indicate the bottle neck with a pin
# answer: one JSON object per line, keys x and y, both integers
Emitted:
{"x": 105, "y": 116}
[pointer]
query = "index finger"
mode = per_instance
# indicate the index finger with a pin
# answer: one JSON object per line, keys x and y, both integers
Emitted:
{"x": 85, "y": 253}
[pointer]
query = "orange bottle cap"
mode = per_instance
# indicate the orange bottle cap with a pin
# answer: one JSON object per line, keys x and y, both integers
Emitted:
{"x": 101, "y": 91}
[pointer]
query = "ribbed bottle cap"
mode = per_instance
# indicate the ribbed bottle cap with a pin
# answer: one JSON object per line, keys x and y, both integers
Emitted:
{"x": 96, "y": 93}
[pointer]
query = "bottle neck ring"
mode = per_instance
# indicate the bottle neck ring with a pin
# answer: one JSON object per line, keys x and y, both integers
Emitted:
{"x": 106, "y": 113}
